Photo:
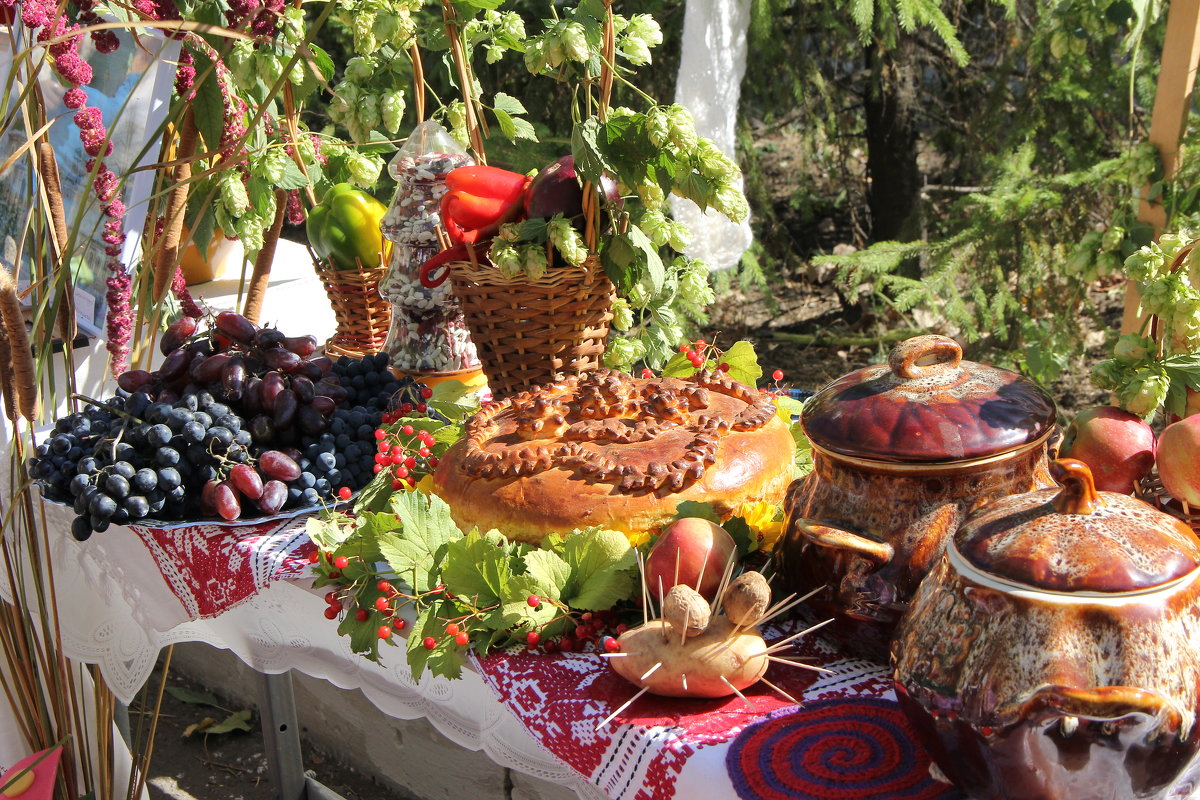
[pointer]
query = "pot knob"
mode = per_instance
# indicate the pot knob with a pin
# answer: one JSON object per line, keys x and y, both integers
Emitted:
{"x": 1078, "y": 495}
{"x": 925, "y": 357}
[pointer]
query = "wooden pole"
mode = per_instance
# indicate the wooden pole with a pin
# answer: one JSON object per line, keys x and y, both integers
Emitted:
{"x": 1173, "y": 98}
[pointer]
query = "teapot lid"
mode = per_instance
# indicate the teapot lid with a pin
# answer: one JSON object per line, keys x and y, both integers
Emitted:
{"x": 1075, "y": 539}
{"x": 928, "y": 405}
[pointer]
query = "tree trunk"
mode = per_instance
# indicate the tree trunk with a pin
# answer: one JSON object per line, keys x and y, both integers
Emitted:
{"x": 891, "y": 106}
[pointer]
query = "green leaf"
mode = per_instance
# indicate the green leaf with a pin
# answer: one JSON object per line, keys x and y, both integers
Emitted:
{"x": 694, "y": 187}
{"x": 589, "y": 162}
{"x": 654, "y": 263}
{"x": 505, "y": 121}
{"x": 201, "y": 220}
{"x": 743, "y": 363}
{"x": 377, "y": 144}
{"x": 516, "y": 611}
{"x": 208, "y": 108}
{"x": 789, "y": 408}
{"x": 679, "y": 367}
{"x": 292, "y": 178}
{"x": 193, "y": 696}
{"x": 446, "y": 658}
{"x": 417, "y": 552}
{"x": 237, "y": 721}
{"x": 327, "y": 534}
{"x": 525, "y": 129}
{"x": 364, "y": 636}
{"x": 508, "y": 104}
{"x": 476, "y": 569}
{"x": 601, "y": 564}
{"x": 322, "y": 61}
{"x": 692, "y": 508}
{"x": 741, "y": 534}
{"x": 376, "y": 495}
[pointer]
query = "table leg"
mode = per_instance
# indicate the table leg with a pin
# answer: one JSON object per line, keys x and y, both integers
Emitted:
{"x": 281, "y": 736}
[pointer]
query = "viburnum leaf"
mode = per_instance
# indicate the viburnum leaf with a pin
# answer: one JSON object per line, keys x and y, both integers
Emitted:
{"x": 692, "y": 508}
{"x": 446, "y": 658}
{"x": 476, "y": 569}
{"x": 743, "y": 537}
{"x": 327, "y": 534}
{"x": 679, "y": 367}
{"x": 789, "y": 408}
{"x": 743, "y": 363}
{"x": 516, "y": 611}
{"x": 416, "y": 553}
{"x": 549, "y": 571}
{"x": 364, "y": 636}
{"x": 602, "y": 564}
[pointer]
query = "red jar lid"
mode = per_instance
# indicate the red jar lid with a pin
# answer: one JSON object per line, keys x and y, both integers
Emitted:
{"x": 927, "y": 405}
{"x": 1076, "y": 539}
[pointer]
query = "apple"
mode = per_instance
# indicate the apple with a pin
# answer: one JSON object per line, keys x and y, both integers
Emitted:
{"x": 1116, "y": 445}
{"x": 1179, "y": 459}
{"x": 693, "y": 549}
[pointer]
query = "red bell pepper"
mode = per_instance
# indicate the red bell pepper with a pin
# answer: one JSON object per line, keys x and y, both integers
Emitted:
{"x": 480, "y": 200}
{"x": 429, "y": 279}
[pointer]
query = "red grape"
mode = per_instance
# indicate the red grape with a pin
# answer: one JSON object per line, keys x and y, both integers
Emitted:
{"x": 304, "y": 389}
{"x": 175, "y": 364}
{"x": 225, "y": 499}
{"x": 207, "y": 503}
{"x": 268, "y": 337}
{"x": 279, "y": 466}
{"x": 209, "y": 369}
{"x": 333, "y": 391}
{"x": 273, "y": 496}
{"x": 176, "y": 334}
{"x": 236, "y": 327}
{"x": 308, "y": 370}
{"x": 252, "y": 396}
{"x": 324, "y": 404}
{"x": 233, "y": 378}
{"x": 135, "y": 380}
{"x": 285, "y": 409}
{"x": 261, "y": 428}
{"x": 273, "y": 384}
{"x": 324, "y": 362}
{"x": 281, "y": 359}
{"x": 246, "y": 481}
{"x": 302, "y": 346}
{"x": 310, "y": 420}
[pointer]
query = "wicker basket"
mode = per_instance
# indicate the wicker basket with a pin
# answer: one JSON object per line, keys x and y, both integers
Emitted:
{"x": 530, "y": 332}
{"x": 362, "y": 315}
{"x": 1150, "y": 488}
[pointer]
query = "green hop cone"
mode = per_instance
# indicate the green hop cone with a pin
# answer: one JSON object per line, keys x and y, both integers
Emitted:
{"x": 273, "y": 165}
{"x": 681, "y": 128}
{"x": 1184, "y": 325}
{"x": 234, "y": 194}
{"x": 651, "y": 194}
{"x": 364, "y": 169}
{"x": 267, "y": 66}
{"x": 369, "y": 116}
{"x": 360, "y": 68}
{"x": 694, "y": 286}
{"x": 644, "y": 27}
{"x": 657, "y": 127}
{"x": 634, "y": 51}
{"x": 574, "y": 42}
{"x": 555, "y": 53}
{"x": 715, "y": 165}
{"x": 509, "y": 232}
{"x": 1146, "y": 264}
{"x": 293, "y": 25}
{"x": 1145, "y": 392}
{"x": 678, "y": 235}
{"x": 1169, "y": 244}
{"x": 656, "y": 226}
{"x": 1191, "y": 264}
{"x": 1111, "y": 240}
{"x": 392, "y": 107}
{"x": 638, "y": 295}
{"x": 1109, "y": 374}
{"x": 362, "y": 27}
{"x": 623, "y": 352}
{"x": 512, "y": 25}
{"x": 534, "y": 261}
{"x": 492, "y": 53}
{"x": 1132, "y": 348}
{"x": 568, "y": 241}
{"x": 506, "y": 258}
{"x": 730, "y": 201}
{"x": 536, "y": 60}
{"x": 249, "y": 229}
{"x": 456, "y": 115}
{"x": 622, "y": 314}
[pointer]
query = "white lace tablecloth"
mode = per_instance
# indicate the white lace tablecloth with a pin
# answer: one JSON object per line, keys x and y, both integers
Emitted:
{"x": 124, "y": 612}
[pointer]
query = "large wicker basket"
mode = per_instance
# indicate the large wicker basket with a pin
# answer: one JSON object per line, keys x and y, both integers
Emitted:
{"x": 362, "y": 315}
{"x": 530, "y": 331}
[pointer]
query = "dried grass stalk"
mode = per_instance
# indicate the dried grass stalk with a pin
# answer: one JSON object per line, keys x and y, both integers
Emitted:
{"x": 24, "y": 370}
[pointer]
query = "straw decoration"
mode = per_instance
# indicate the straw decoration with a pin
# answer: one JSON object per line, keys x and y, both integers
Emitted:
{"x": 48, "y": 167}
{"x": 24, "y": 372}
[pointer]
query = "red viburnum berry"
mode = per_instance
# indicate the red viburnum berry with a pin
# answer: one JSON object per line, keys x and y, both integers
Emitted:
{"x": 534, "y": 601}
{"x": 332, "y": 612}
{"x": 399, "y": 624}
{"x": 452, "y": 629}
{"x": 332, "y": 597}
{"x": 461, "y": 638}
{"x": 362, "y": 615}
{"x": 429, "y": 643}
{"x": 380, "y": 434}
{"x": 427, "y": 393}
{"x": 532, "y": 638}
{"x": 647, "y": 373}
{"x": 341, "y": 562}
{"x": 381, "y": 603}
{"x": 385, "y": 632}
{"x": 777, "y": 374}
{"x": 345, "y": 492}
{"x": 610, "y": 644}
{"x": 408, "y": 430}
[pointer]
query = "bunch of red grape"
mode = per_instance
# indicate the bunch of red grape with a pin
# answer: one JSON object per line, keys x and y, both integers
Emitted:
{"x": 238, "y": 421}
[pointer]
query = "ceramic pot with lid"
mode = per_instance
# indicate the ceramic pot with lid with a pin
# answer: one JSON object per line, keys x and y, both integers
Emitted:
{"x": 1052, "y": 653}
{"x": 902, "y": 453}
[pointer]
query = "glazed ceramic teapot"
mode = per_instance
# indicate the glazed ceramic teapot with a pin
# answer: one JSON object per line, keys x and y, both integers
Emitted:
{"x": 1052, "y": 653}
{"x": 901, "y": 454}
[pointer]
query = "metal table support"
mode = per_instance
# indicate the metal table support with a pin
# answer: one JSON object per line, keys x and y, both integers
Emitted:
{"x": 281, "y": 742}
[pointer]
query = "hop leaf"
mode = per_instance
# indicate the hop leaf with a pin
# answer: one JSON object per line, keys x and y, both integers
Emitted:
{"x": 1133, "y": 348}
{"x": 360, "y": 68}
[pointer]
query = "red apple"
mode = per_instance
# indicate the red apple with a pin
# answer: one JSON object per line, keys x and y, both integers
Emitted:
{"x": 1116, "y": 445}
{"x": 693, "y": 549}
{"x": 1179, "y": 459}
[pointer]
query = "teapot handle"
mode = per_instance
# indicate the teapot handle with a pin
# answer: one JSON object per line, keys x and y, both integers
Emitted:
{"x": 823, "y": 535}
{"x": 1105, "y": 703}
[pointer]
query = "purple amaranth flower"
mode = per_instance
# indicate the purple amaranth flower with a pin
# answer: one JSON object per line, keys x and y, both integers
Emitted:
{"x": 75, "y": 98}
{"x": 185, "y": 75}
{"x": 295, "y": 210}
{"x": 120, "y": 316}
{"x": 184, "y": 296}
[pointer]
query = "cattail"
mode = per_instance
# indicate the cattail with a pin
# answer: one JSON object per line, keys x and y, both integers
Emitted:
{"x": 166, "y": 257}
{"x": 7, "y": 387}
{"x": 260, "y": 278}
{"x": 24, "y": 372}
{"x": 48, "y": 166}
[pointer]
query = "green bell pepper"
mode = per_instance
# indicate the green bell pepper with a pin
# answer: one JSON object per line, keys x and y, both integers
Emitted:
{"x": 344, "y": 228}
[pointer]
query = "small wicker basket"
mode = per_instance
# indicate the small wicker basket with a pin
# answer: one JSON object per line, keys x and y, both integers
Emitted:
{"x": 528, "y": 331}
{"x": 1151, "y": 488}
{"x": 363, "y": 316}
